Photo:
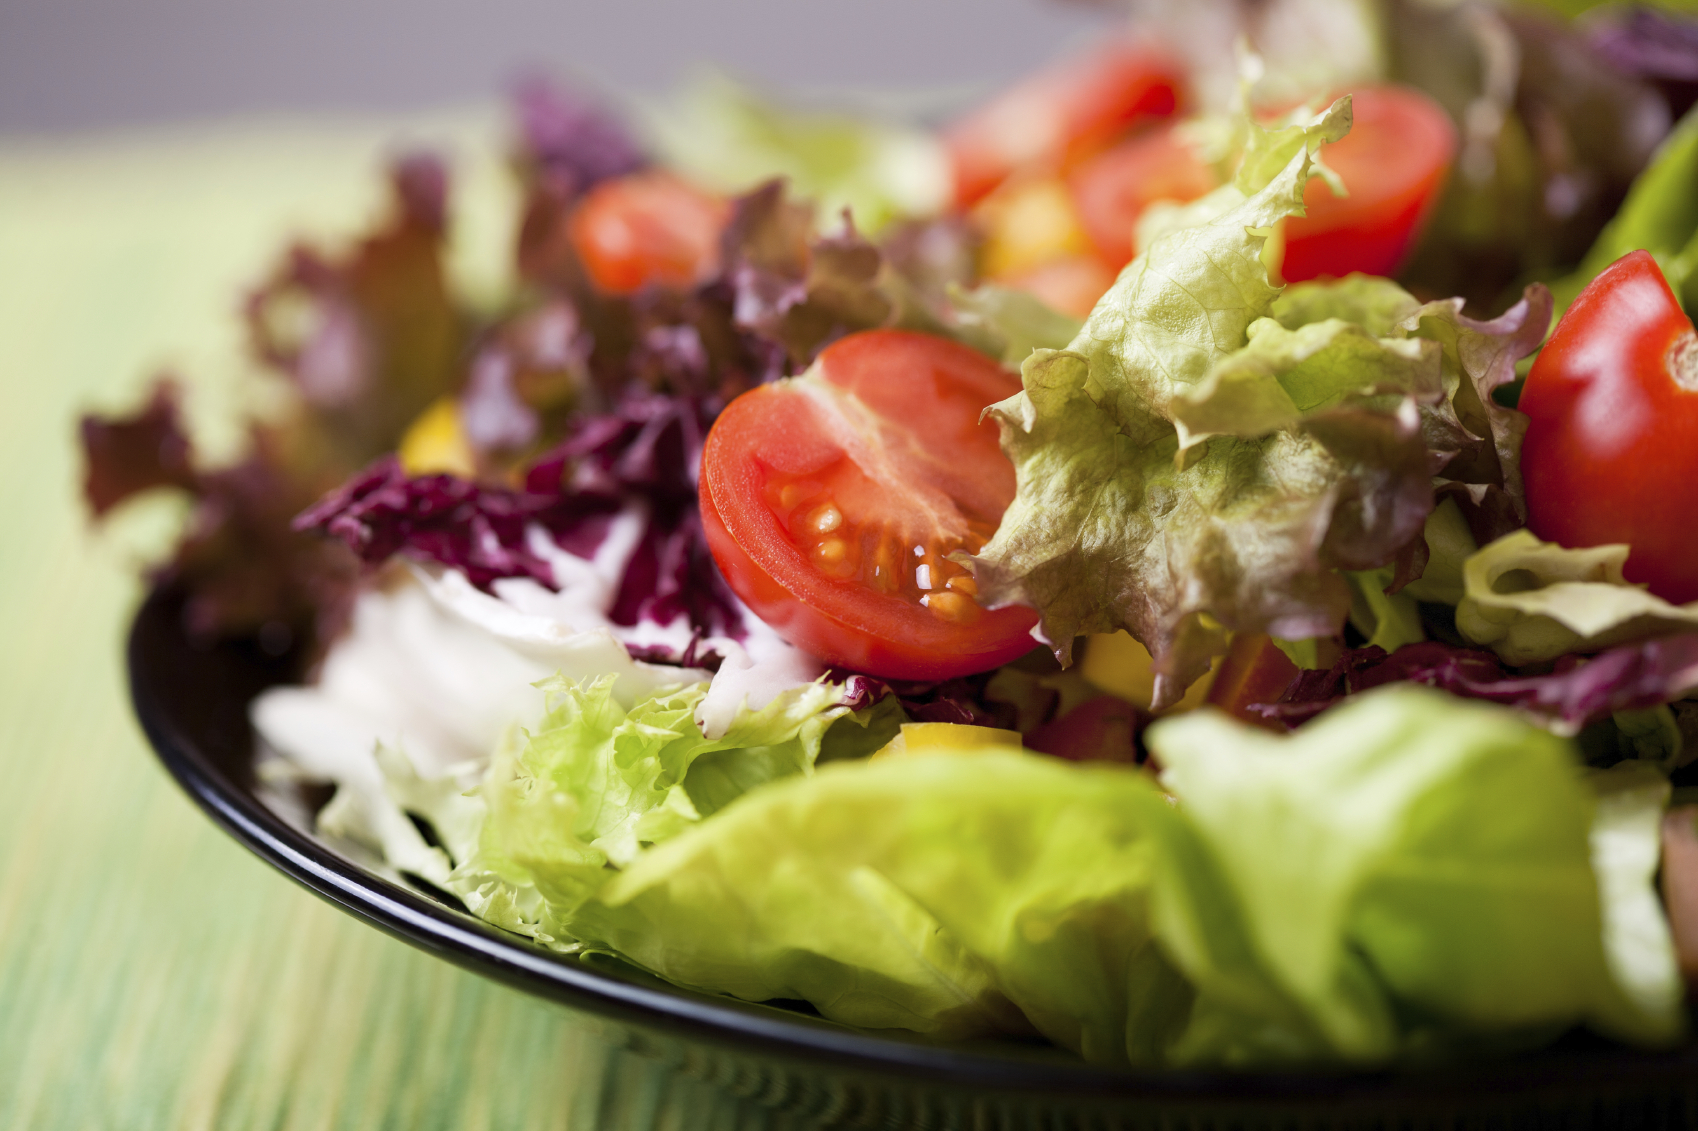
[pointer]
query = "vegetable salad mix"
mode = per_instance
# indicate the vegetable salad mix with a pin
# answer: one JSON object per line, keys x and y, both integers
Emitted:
{"x": 1186, "y": 559}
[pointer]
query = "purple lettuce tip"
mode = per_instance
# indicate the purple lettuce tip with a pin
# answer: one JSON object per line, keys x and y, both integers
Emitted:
{"x": 570, "y": 137}
{"x": 1580, "y": 691}
{"x": 1651, "y": 44}
{"x": 420, "y": 181}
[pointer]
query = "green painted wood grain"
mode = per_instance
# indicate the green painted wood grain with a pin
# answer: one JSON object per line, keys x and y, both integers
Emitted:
{"x": 152, "y": 973}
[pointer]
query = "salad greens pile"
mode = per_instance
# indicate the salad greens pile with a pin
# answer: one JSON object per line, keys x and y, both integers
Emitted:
{"x": 1409, "y": 876}
{"x": 534, "y": 692}
{"x": 1209, "y": 452}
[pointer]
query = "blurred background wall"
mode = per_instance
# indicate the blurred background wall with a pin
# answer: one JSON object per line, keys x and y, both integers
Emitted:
{"x": 95, "y": 64}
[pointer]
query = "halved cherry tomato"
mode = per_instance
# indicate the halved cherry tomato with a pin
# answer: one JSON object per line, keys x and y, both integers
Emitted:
{"x": 832, "y": 500}
{"x": 1393, "y": 161}
{"x": 1061, "y": 114}
{"x": 647, "y": 228}
{"x": 1611, "y": 453}
{"x": 1112, "y": 189}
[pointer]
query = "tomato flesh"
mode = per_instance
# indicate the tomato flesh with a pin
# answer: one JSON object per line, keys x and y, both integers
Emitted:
{"x": 1393, "y": 162}
{"x": 1611, "y": 453}
{"x": 1061, "y": 114}
{"x": 647, "y": 228}
{"x": 831, "y": 502}
{"x": 1112, "y": 189}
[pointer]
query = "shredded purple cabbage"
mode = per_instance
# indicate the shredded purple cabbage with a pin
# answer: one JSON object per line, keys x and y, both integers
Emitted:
{"x": 648, "y": 449}
{"x": 960, "y": 700}
{"x": 1580, "y": 691}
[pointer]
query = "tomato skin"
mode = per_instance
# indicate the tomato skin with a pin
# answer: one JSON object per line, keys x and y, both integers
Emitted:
{"x": 1611, "y": 453}
{"x": 647, "y": 228}
{"x": 1061, "y": 114}
{"x": 779, "y": 435}
{"x": 1393, "y": 161}
{"x": 1112, "y": 189}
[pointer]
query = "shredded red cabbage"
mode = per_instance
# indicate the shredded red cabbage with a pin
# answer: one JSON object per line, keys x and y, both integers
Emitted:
{"x": 1581, "y": 690}
{"x": 647, "y": 449}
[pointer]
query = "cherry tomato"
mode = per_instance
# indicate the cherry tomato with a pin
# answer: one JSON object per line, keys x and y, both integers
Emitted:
{"x": 831, "y": 500}
{"x": 647, "y": 228}
{"x": 1611, "y": 453}
{"x": 1061, "y": 114}
{"x": 1393, "y": 162}
{"x": 1112, "y": 189}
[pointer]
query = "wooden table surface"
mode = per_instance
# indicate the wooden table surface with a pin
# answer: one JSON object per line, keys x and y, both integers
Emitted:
{"x": 153, "y": 974}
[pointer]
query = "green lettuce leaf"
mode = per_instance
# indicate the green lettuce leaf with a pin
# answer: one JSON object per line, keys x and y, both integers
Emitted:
{"x": 1388, "y": 620}
{"x": 1529, "y": 600}
{"x": 1006, "y": 323}
{"x": 995, "y": 892}
{"x": 728, "y": 137}
{"x": 1660, "y": 215}
{"x": 1108, "y": 528}
{"x": 1411, "y": 872}
{"x": 1626, "y": 851}
{"x": 1208, "y": 453}
{"x": 596, "y": 783}
{"x": 1412, "y": 875}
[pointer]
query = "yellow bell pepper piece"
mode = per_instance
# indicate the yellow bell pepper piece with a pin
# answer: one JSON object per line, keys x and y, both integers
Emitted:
{"x": 1121, "y": 666}
{"x": 435, "y": 442}
{"x": 917, "y": 739}
{"x": 1028, "y": 224}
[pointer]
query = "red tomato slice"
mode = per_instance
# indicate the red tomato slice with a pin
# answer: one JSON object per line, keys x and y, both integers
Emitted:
{"x": 647, "y": 228}
{"x": 1611, "y": 453}
{"x": 1393, "y": 161}
{"x": 831, "y": 500}
{"x": 1061, "y": 114}
{"x": 1112, "y": 189}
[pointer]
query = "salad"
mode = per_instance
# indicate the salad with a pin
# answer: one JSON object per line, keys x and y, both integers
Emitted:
{"x": 1186, "y": 560}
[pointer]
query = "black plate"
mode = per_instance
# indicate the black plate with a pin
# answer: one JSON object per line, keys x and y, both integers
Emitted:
{"x": 192, "y": 702}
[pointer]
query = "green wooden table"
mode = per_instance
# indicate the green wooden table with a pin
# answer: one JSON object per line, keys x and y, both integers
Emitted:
{"x": 153, "y": 974}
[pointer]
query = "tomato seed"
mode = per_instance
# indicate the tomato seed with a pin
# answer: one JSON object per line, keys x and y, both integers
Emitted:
{"x": 956, "y": 608}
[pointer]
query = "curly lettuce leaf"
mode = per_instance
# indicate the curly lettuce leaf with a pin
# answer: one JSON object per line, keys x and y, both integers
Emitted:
{"x": 1108, "y": 528}
{"x": 595, "y": 782}
{"x": 1411, "y": 871}
{"x": 1208, "y": 452}
{"x": 1529, "y": 600}
{"x": 1475, "y": 442}
{"x": 1008, "y": 324}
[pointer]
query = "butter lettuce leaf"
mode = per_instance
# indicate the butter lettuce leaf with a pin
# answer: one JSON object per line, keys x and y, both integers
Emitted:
{"x": 1412, "y": 872}
{"x": 1411, "y": 876}
{"x": 993, "y": 892}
